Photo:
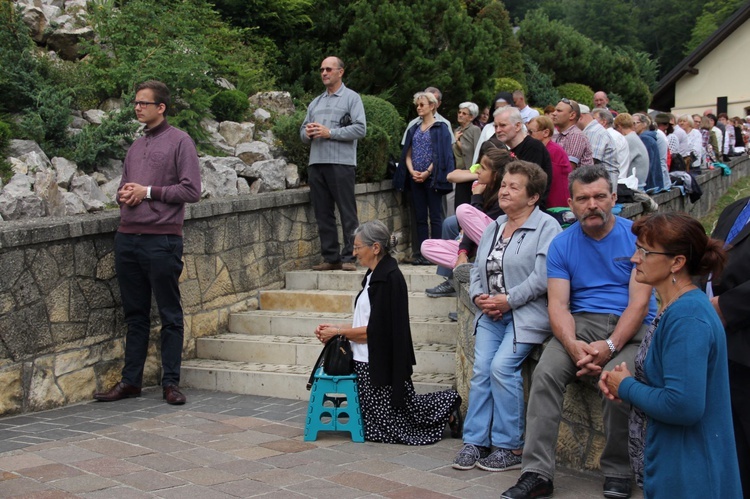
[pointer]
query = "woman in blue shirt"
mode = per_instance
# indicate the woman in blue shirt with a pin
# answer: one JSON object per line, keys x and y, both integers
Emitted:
{"x": 681, "y": 437}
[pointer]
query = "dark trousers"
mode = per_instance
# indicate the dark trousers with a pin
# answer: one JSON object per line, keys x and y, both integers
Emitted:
{"x": 428, "y": 205}
{"x": 739, "y": 379}
{"x": 332, "y": 186}
{"x": 147, "y": 264}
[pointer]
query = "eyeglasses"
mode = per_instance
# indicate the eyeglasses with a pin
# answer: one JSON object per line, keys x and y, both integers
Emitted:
{"x": 422, "y": 104}
{"x": 328, "y": 70}
{"x": 143, "y": 103}
{"x": 643, "y": 252}
{"x": 357, "y": 248}
{"x": 637, "y": 122}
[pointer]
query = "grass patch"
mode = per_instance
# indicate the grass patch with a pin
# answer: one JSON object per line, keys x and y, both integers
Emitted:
{"x": 739, "y": 190}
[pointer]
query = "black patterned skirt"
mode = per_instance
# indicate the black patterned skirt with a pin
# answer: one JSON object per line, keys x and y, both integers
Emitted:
{"x": 421, "y": 422}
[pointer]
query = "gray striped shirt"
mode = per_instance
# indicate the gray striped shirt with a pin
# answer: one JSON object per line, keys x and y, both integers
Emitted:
{"x": 329, "y": 110}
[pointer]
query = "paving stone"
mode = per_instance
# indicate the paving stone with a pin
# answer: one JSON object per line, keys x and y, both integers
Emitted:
{"x": 429, "y": 481}
{"x": 278, "y": 478}
{"x": 109, "y": 467}
{"x": 281, "y": 430}
{"x": 374, "y": 466}
{"x": 151, "y": 441}
{"x": 206, "y": 476}
{"x": 49, "y": 494}
{"x": 120, "y": 492}
{"x": 162, "y": 463}
{"x": 415, "y": 493}
{"x": 287, "y": 446}
{"x": 205, "y": 457}
{"x": 150, "y": 480}
{"x": 286, "y": 461}
{"x": 254, "y": 453}
{"x": 242, "y": 467}
{"x": 193, "y": 491}
{"x": 21, "y": 460}
{"x": 417, "y": 461}
{"x": 113, "y": 448}
{"x": 325, "y": 489}
{"x": 215, "y": 428}
{"x": 364, "y": 481}
{"x": 49, "y": 472}
{"x": 84, "y": 483}
{"x": 245, "y": 488}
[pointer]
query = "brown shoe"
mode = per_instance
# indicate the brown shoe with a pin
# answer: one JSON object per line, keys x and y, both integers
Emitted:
{"x": 349, "y": 266}
{"x": 120, "y": 391}
{"x": 327, "y": 266}
{"x": 173, "y": 395}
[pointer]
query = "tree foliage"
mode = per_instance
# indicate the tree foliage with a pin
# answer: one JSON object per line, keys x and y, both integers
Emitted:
{"x": 188, "y": 53}
{"x": 567, "y": 56}
{"x": 714, "y": 14}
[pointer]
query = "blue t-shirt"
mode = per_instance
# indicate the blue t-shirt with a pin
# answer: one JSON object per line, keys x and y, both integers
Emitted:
{"x": 598, "y": 271}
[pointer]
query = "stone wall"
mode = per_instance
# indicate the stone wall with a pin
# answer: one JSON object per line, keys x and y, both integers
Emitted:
{"x": 61, "y": 324}
{"x": 581, "y": 438}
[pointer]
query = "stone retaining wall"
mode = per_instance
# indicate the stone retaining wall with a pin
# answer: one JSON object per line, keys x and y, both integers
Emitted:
{"x": 581, "y": 438}
{"x": 61, "y": 324}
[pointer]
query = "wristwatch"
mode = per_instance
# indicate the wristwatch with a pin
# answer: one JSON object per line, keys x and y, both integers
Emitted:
{"x": 612, "y": 349}
{"x": 148, "y": 193}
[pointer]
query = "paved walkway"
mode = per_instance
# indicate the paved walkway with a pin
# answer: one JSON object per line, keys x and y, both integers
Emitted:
{"x": 223, "y": 445}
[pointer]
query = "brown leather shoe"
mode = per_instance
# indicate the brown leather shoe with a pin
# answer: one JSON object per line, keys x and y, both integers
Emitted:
{"x": 120, "y": 391}
{"x": 327, "y": 266}
{"x": 349, "y": 266}
{"x": 173, "y": 395}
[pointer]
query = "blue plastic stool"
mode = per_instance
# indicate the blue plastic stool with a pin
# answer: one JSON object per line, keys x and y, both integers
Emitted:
{"x": 334, "y": 406}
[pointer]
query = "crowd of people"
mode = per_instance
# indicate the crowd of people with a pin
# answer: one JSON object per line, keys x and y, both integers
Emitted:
{"x": 671, "y": 401}
{"x": 673, "y": 376}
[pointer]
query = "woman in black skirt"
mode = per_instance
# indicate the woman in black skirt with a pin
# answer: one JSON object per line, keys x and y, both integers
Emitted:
{"x": 384, "y": 355}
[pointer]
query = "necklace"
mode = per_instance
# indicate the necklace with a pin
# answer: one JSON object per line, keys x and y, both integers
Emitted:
{"x": 679, "y": 293}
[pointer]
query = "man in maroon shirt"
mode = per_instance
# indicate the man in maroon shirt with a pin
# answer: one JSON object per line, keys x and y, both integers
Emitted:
{"x": 160, "y": 174}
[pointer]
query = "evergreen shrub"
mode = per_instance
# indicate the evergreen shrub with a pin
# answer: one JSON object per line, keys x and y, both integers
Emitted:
{"x": 382, "y": 113}
{"x": 577, "y": 92}
{"x": 95, "y": 144}
{"x": 229, "y": 105}
{"x": 5, "y": 135}
{"x": 508, "y": 85}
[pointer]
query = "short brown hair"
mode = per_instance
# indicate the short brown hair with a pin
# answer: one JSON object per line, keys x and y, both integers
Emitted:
{"x": 535, "y": 176}
{"x": 624, "y": 120}
{"x": 681, "y": 234}
{"x": 544, "y": 123}
{"x": 160, "y": 90}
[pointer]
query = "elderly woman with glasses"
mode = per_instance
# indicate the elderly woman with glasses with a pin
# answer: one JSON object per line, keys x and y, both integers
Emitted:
{"x": 467, "y": 137}
{"x": 383, "y": 352}
{"x": 681, "y": 436}
{"x": 426, "y": 161}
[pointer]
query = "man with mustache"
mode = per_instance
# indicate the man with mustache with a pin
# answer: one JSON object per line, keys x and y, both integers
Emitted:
{"x": 598, "y": 314}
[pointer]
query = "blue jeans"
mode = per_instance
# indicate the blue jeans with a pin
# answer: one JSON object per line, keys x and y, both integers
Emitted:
{"x": 147, "y": 264}
{"x": 451, "y": 230}
{"x": 495, "y": 417}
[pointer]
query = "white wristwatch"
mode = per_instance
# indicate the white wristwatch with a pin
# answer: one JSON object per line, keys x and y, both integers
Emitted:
{"x": 148, "y": 192}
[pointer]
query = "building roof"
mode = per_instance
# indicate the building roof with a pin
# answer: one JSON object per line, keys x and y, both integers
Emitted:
{"x": 664, "y": 96}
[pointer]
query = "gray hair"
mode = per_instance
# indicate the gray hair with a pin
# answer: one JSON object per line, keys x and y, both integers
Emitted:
{"x": 471, "y": 107}
{"x": 375, "y": 231}
{"x": 427, "y": 95}
{"x": 645, "y": 119}
{"x": 603, "y": 115}
{"x": 514, "y": 115}
{"x": 588, "y": 175}
{"x": 435, "y": 90}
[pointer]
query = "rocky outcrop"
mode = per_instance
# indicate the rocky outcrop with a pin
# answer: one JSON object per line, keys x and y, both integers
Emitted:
{"x": 279, "y": 103}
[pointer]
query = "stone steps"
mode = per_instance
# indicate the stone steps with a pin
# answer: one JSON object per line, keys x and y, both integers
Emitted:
{"x": 271, "y": 351}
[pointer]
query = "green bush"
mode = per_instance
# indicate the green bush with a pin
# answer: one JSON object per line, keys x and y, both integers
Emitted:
{"x": 229, "y": 105}
{"x": 46, "y": 122}
{"x": 577, "y": 92}
{"x": 372, "y": 155}
{"x": 616, "y": 103}
{"x": 542, "y": 91}
{"x": 286, "y": 131}
{"x": 5, "y": 135}
{"x": 507, "y": 85}
{"x": 381, "y": 113}
{"x": 96, "y": 144}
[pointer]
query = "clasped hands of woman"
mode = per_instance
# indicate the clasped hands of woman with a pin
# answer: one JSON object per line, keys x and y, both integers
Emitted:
{"x": 493, "y": 306}
{"x": 324, "y": 332}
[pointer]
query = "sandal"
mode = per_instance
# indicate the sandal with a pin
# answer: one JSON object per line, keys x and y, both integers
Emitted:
{"x": 456, "y": 421}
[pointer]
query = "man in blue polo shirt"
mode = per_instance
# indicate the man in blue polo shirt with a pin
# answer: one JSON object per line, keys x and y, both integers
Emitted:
{"x": 599, "y": 314}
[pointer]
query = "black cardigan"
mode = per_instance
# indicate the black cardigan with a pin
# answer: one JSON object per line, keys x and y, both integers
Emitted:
{"x": 391, "y": 353}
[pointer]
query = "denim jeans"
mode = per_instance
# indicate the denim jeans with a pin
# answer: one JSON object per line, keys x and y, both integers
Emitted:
{"x": 496, "y": 404}
{"x": 146, "y": 264}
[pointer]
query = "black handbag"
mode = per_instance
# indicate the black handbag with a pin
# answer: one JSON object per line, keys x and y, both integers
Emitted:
{"x": 336, "y": 358}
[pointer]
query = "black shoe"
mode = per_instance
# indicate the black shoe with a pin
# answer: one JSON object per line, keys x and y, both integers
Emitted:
{"x": 420, "y": 260}
{"x": 530, "y": 486}
{"x": 445, "y": 288}
{"x": 453, "y": 316}
{"x": 617, "y": 488}
{"x": 456, "y": 421}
